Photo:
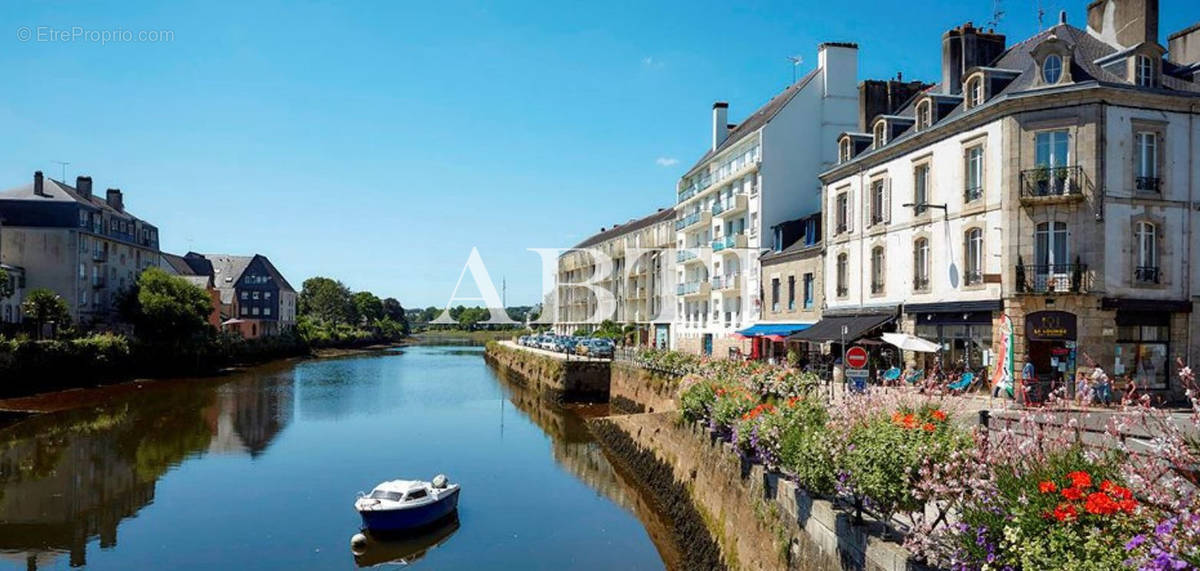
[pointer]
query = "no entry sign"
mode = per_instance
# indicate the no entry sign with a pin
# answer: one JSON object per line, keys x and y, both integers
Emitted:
{"x": 856, "y": 358}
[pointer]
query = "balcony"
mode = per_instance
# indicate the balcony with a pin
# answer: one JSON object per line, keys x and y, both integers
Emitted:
{"x": 920, "y": 283}
{"x": 1146, "y": 274}
{"x": 729, "y": 242}
{"x": 843, "y": 291}
{"x": 972, "y": 193}
{"x": 1052, "y": 279}
{"x": 99, "y": 255}
{"x": 876, "y": 287}
{"x": 1052, "y": 185}
{"x": 733, "y": 205}
{"x": 727, "y": 282}
{"x": 98, "y": 282}
{"x": 972, "y": 277}
{"x": 1149, "y": 184}
{"x": 694, "y": 219}
{"x": 682, "y": 256}
{"x": 695, "y": 288}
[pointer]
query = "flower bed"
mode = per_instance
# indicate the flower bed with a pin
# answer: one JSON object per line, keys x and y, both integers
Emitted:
{"x": 1024, "y": 498}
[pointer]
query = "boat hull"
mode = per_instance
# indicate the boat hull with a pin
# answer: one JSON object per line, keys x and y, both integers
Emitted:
{"x": 410, "y": 518}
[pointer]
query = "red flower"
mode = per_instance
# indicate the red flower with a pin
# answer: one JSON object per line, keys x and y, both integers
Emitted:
{"x": 1107, "y": 486}
{"x": 1080, "y": 479}
{"x": 1065, "y": 512}
{"x": 910, "y": 420}
{"x": 1127, "y": 506}
{"x": 1100, "y": 504}
{"x": 928, "y": 427}
{"x": 938, "y": 415}
{"x": 1072, "y": 493}
{"x": 1047, "y": 487}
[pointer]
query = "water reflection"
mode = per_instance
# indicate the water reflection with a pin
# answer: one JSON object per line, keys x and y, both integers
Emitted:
{"x": 66, "y": 478}
{"x": 404, "y": 550}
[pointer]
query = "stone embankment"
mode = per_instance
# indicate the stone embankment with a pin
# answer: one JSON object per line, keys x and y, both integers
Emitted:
{"x": 637, "y": 389}
{"x": 555, "y": 375}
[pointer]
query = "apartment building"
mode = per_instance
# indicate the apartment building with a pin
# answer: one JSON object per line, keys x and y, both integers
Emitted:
{"x": 755, "y": 175}
{"x": 792, "y": 274}
{"x": 1050, "y": 185}
{"x": 81, "y": 246}
{"x": 255, "y": 299}
{"x": 637, "y": 279}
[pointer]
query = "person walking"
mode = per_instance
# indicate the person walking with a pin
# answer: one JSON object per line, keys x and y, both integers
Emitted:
{"x": 1028, "y": 379}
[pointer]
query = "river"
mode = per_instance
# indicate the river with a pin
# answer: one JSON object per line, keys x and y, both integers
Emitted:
{"x": 259, "y": 470}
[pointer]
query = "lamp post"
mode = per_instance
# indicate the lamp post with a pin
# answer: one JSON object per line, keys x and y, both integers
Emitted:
{"x": 916, "y": 205}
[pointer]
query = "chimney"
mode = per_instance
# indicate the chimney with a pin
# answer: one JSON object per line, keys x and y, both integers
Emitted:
{"x": 966, "y": 47}
{"x": 877, "y": 97}
{"x": 83, "y": 184}
{"x": 1183, "y": 47}
{"x": 1123, "y": 23}
{"x": 720, "y": 123}
{"x": 115, "y": 199}
{"x": 38, "y": 184}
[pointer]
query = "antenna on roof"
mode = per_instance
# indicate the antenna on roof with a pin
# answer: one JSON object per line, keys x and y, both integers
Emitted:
{"x": 997, "y": 14}
{"x": 796, "y": 61}
{"x": 62, "y": 164}
{"x": 1041, "y": 15}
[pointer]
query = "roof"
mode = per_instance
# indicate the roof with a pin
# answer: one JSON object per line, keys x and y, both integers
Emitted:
{"x": 58, "y": 191}
{"x": 400, "y": 485}
{"x": 756, "y": 120}
{"x": 177, "y": 264}
{"x": 830, "y": 328}
{"x": 227, "y": 269}
{"x": 662, "y": 215}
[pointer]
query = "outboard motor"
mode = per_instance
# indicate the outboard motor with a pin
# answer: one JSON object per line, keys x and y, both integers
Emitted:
{"x": 440, "y": 481}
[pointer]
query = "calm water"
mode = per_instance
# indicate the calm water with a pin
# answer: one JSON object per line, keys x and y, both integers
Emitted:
{"x": 260, "y": 471}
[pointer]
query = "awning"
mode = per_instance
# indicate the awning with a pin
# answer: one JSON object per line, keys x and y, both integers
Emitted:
{"x": 911, "y": 343}
{"x": 830, "y": 328}
{"x": 777, "y": 332}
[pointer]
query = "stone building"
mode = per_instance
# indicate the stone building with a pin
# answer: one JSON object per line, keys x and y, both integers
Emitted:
{"x": 754, "y": 176}
{"x": 637, "y": 277}
{"x": 1053, "y": 182}
{"x": 83, "y": 247}
{"x": 254, "y": 298}
{"x": 792, "y": 272}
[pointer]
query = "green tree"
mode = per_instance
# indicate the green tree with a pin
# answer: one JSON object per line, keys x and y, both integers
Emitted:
{"x": 326, "y": 300}
{"x": 166, "y": 309}
{"x": 43, "y": 306}
{"x": 6, "y": 287}
{"x": 367, "y": 307}
{"x": 395, "y": 312}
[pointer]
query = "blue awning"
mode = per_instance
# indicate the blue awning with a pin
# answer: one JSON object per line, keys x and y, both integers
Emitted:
{"x": 767, "y": 329}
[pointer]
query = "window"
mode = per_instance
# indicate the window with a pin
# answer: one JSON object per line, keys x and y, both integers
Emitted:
{"x": 266, "y": 311}
{"x": 254, "y": 295}
{"x": 808, "y": 291}
{"x": 1052, "y": 271}
{"x": 1052, "y": 156}
{"x": 415, "y": 495}
{"x": 1141, "y": 351}
{"x": 974, "y": 93}
{"x": 266, "y": 295}
{"x": 245, "y": 295}
{"x": 775, "y": 294}
{"x": 844, "y": 153}
{"x": 880, "y": 132}
{"x": 974, "y": 179}
{"x": 879, "y": 206}
{"x": 1147, "y": 161}
{"x": 924, "y": 115}
{"x": 974, "y": 262}
{"x": 920, "y": 188}
{"x": 791, "y": 293}
{"x": 921, "y": 265}
{"x": 254, "y": 310}
{"x": 843, "y": 267}
{"x": 843, "y": 213}
{"x": 1146, "y": 241}
{"x": 1143, "y": 71}
{"x": 1052, "y": 69}
{"x": 244, "y": 310}
{"x": 384, "y": 495}
{"x": 877, "y": 269}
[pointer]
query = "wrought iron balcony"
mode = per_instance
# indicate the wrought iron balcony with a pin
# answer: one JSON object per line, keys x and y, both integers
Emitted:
{"x": 920, "y": 283}
{"x": 972, "y": 277}
{"x": 1044, "y": 182}
{"x": 841, "y": 228}
{"x": 972, "y": 193}
{"x": 1146, "y": 274}
{"x": 1052, "y": 279}
{"x": 1149, "y": 183}
{"x": 843, "y": 291}
{"x": 876, "y": 287}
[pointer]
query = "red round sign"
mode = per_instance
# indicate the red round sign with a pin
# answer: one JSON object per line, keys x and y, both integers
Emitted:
{"x": 856, "y": 358}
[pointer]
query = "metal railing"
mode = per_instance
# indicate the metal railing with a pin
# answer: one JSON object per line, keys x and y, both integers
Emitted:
{"x": 920, "y": 283}
{"x": 688, "y": 287}
{"x": 1051, "y": 181}
{"x": 726, "y": 281}
{"x": 972, "y": 193}
{"x": 972, "y": 277}
{"x": 1149, "y": 183}
{"x": 1146, "y": 274}
{"x": 729, "y": 241}
{"x": 684, "y": 255}
{"x": 843, "y": 291}
{"x": 876, "y": 287}
{"x": 1050, "y": 279}
{"x": 99, "y": 255}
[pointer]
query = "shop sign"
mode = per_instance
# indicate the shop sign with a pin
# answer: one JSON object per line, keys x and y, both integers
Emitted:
{"x": 1050, "y": 326}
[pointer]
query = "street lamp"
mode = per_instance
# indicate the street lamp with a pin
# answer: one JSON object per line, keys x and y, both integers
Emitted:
{"x": 916, "y": 205}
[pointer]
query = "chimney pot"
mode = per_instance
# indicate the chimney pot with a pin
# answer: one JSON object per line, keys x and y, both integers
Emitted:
{"x": 114, "y": 199}
{"x": 1062, "y": 17}
{"x": 83, "y": 184}
{"x": 720, "y": 123}
{"x": 38, "y": 184}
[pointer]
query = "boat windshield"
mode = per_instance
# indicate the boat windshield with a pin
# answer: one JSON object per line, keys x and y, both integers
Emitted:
{"x": 385, "y": 495}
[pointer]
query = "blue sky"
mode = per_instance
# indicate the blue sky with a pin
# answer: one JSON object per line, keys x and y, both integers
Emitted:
{"x": 378, "y": 143}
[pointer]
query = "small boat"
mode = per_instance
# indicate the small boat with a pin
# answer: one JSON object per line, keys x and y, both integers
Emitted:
{"x": 370, "y": 550}
{"x": 401, "y": 505}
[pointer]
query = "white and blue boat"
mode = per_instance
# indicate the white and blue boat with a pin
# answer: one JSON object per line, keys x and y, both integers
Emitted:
{"x": 401, "y": 505}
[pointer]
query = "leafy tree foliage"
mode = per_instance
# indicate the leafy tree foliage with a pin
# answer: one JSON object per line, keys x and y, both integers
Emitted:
{"x": 166, "y": 309}
{"x": 326, "y": 300}
{"x": 6, "y": 288}
{"x": 43, "y": 306}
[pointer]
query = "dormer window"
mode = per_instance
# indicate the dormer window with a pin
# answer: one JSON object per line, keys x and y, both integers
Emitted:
{"x": 844, "y": 150}
{"x": 1143, "y": 71}
{"x": 1052, "y": 69}
{"x": 974, "y": 92}
{"x": 924, "y": 114}
{"x": 880, "y": 134}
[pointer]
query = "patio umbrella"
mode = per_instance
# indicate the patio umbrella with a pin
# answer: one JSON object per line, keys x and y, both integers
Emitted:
{"x": 911, "y": 343}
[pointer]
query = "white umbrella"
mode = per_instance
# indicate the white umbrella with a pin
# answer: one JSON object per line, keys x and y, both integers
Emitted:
{"x": 911, "y": 343}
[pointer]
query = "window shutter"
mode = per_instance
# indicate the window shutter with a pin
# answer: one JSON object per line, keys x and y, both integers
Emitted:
{"x": 849, "y": 211}
{"x": 887, "y": 200}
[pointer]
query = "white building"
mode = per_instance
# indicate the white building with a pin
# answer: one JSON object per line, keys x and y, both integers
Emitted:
{"x": 755, "y": 175}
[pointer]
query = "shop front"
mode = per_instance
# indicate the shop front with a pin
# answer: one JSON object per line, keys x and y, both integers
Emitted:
{"x": 963, "y": 331}
{"x": 1051, "y": 341}
{"x": 769, "y": 341}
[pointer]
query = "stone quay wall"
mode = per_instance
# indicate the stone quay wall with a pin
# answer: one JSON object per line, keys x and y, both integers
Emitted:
{"x": 563, "y": 379}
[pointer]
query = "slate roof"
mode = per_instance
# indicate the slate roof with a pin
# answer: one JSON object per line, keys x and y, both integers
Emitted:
{"x": 58, "y": 191}
{"x": 760, "y": 117}
{"x": 609, "y": 233}
{"x": 227, "y": 269}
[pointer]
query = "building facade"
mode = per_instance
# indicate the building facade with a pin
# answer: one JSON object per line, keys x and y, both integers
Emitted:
{"x": 792, "y": 278}
{"x": 1050, "y": 185}
{"x": 200, "y": 276}
{"x": 255, "y": 299}
{"x": 85, "y": 248}
{"x": 636, "y": 277}
{"x": 755, "y": 175}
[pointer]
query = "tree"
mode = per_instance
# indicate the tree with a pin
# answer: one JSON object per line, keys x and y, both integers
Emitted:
{"x": 326, "y": 300}
{"x": 367, "y": 307}
{"x": 166, "y": 309}
{"x": 43, "y": 306}
{"x": 6, "y": 287}
{"x": 394, "y": 311}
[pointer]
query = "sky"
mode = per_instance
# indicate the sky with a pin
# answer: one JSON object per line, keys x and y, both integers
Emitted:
{"x": 378, "y": 143}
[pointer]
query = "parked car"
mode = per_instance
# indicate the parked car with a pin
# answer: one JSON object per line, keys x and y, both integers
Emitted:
{"x": 601, "y": 348}
{"x": 523, "y": 340}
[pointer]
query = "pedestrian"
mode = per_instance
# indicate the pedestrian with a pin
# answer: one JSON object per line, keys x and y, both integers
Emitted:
{"x": 1103, "y": 386}
{"x": 1083, "y": 391}
{"x": 1028, "y": 379}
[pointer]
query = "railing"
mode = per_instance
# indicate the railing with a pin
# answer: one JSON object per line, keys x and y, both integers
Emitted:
{"x": 1049, "y": 279}
{"x": 726, "y": 281}
{"x": 1149, "y": 183}
{"x": 876, "y": 287}
{"x": 1051, "y": 181}
{"x": 687, "y": 288}
{"x": 843, "y": 291}
{"x": 920, "y": 283}
{"x": 684, "y": 255}
{"x": 687, "y": 193}
{"x": 1146, "y": 274}
{"x": 735, "y": 202}
{"x": 98, "y": 281}
{"x": 99, "y": 255}
{"x": 729, "y": 241}
{"x": 972, "y": 277}
{"x": 972, "y": 193}
{"x": 841, "y": 228}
